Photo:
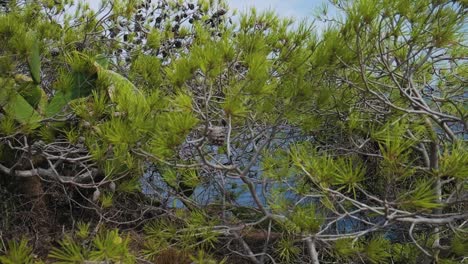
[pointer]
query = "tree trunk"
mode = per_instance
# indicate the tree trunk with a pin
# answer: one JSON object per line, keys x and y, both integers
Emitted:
{"x": 312, "y": 251}
{"x": 31, "y": 188}
{"x": 438, "y": 191}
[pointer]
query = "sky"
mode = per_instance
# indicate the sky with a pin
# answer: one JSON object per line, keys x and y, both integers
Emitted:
{"x": 299, "y": 9}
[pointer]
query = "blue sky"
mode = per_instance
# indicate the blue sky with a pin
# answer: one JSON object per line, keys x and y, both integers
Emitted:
{"x": 298, "y": 9}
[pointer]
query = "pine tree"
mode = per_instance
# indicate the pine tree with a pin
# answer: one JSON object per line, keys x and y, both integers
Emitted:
{"x": 349, "y": 144}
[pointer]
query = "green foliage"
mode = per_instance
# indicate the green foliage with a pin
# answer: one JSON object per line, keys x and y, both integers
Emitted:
{"x": 275, "y": 165}
{"x": 319, "y": 168}
{"x": 202, "y": 258}
{"x": 405, "y": 253}
{"x": 69, "y": 252}
{"x": 448, "y": 261}
{"x": 453, "y": 162}
{"x": 346, "y": 249}
{"x": 72, "y": 135}
{"x": 361, "y": 121}
{"x": 7, "y": 125}
{"x": 80, "y": 81}
{"x": 348, "y": 173}
{"x": 324, "y": 170}
{"x": 109, "y": 245}
{"x": 171, "y": 131}
{"x": 34, "y": 62}
{"x": 20, "y": 109}
{"x": 287, "y": 250}
{"x": 56, "y": 104}
{"x": 115, "y": 131}
{"x": 459, "y": 244}
{"x": 190, "y": 178}
{"x": 129, "y": 185}
{"x": 395, "y": 147}
{"x": 18, "y": 252}
{"x": 377, "y": 250}
{"x": 421, "y": 196}
{"x": 158, "y": 234}
{"x": 106, "y": 199}
{"x": 47, "y": 133}
{"x": 235, "y": 105}
{"x": 147, "y": 68}
{"x": 99, "y": 103}
{"x": 306, "y": 219}
{"x": 154, "y": 39}
{"x": 29, "y": 90}
{"x": 277, "y": 201}
{"x": 193, "y": 232}
{"x": 201, "y": 225}
{"x": 82, "y": 230}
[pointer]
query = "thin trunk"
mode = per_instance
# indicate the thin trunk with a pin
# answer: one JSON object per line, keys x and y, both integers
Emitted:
{"x": 31, "y": 188}
{"x": 438, "y": 191}
{"x": 248, "y": 251}
{"x": 312, "y": 250}
{"x": 434, "y": 166}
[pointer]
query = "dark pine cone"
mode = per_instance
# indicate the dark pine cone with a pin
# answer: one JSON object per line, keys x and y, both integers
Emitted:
{"x": 80, "y": 46}
{"x": 216, "y": 135}
{"x": 54, "y": 52}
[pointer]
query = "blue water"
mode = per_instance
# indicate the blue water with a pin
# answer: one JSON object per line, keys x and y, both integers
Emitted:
{"x": 205, "y": 194}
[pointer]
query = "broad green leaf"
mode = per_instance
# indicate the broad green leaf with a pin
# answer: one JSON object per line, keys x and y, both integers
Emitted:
{"x": 20, "y": 109}
{"x": 58, "y": 102}
{"x": 83, "y": 75}
{"x": 117, "y": 83}
{"x": 102, "y": 61}
{"x": 32, "y": 93}
{"x": 83, "y": 84}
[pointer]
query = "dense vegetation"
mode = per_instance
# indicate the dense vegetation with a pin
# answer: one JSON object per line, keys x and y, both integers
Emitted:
{"x": 182, "y": 132}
